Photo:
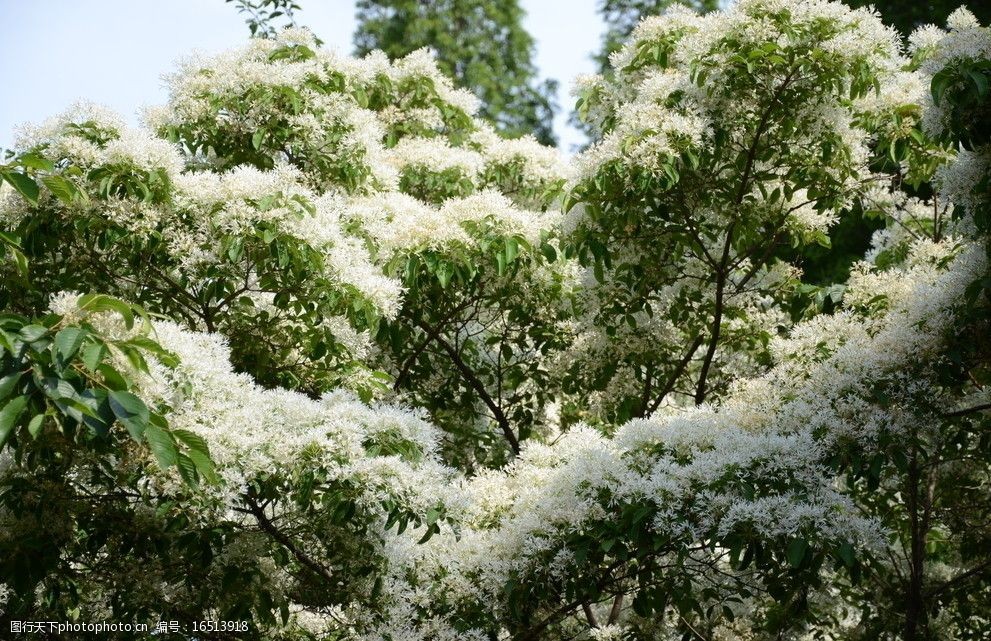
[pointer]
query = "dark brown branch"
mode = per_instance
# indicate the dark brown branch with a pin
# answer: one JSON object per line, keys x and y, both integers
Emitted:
{"x": 722, "y": 272}
{"x": 411, "y": 359}
{"x": 589, "y": 615}
{"x": 675, "y": 375}
{"x": 476, "y": 384}
{"x": 648, "y": 381}
{"x": 617, "y": 607}
{"x": 961, "y": 578}
{"x": 717, "y": 319}
{"x": 534, "y": 632}
{"x": 269, "y": 528}
{"x": 968, "y": 410}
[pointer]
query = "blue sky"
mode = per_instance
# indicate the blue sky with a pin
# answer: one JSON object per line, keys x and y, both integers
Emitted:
{"x": 114, "y": 52}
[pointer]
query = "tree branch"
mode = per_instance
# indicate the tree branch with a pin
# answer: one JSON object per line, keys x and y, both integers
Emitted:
{"x": 721, "y": 272}
{"x": 589, "y": 615}
{"x": 675, "y": 375}
{"x": 968, "y": 410}
{"x": 617, "y": 607}
{"x": 476, "y": 384}
{"x": 269, "y": 528}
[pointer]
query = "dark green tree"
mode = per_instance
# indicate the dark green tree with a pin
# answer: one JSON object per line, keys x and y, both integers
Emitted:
{"x": 482, "y": 44}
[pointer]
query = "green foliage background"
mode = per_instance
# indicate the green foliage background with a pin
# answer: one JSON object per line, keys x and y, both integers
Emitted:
{"x": 481, "y": 44}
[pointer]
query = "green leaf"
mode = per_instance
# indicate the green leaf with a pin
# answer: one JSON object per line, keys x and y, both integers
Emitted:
{"x": 93, "y": 355}
{"x": 58, "y": 389}
{"x": 7, "y": 384}
{"x": 548, "y": 251}
{"x": 361, "y": 96}
{"x": 31, "y": 333}
{"x": 204, "y": 465}
{"x": 748, "y": 557}
{"x": 10, "y": 239}
{"x": 34, "y": 427}
{"x": 797, "y": 550}
{"x": 133, "y": 357}
{"x": 444, "y": 273}
{"x": 131, "y": 411}
{"x": 9, "y": 415}
{"x": 257, "y": 138}
{"x": 847, "y": 554}
{"x": 980, "y": 81}
{"x": 236, "y": 249}
{"x": 940, "y": 82}
{"x": 512, "y": 250}
{"x": 67, "y": 342}
{"x": 20, "y": 261}
{"x": 432, "y": 515}
{"x": 61, "y": 188}
{"x": 187, "y": 469}
{"x": 193, "y": 441}
{"x": 431, "y": 530}
{"x": 162, "y": 446}
{"x": 166, "y": 357}
{"x": 34, "y": 161}
{"x": 104, "y": 303}
{"x": 100, "y": 417}
{"x": 24, "y": 184}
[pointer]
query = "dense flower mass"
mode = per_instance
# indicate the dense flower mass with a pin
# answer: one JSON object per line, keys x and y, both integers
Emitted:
{"x": 395, "y": 377}
{"x": 295, "y": 152}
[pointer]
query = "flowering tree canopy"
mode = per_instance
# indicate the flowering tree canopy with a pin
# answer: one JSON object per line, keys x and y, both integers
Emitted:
{"x": 317, "y": 349}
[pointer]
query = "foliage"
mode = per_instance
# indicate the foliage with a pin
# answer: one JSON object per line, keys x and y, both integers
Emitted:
{"x": 482, "y": 45}
{"x": 67, "y": 375}
{"x": 402, "y": 378}
{"x": 656, "y": 203}
{"x": 261, "y": 15}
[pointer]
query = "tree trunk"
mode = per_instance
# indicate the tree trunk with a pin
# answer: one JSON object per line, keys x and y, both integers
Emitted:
{"x": 916, "y": 615}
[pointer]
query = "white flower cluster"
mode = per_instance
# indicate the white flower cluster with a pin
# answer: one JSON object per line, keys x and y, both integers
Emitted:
{"x": 675, "y": 24}
{"x": 898, "y": 90}
{"x": 908, "y": 218}
{"x": 957, "y": 180}
{"x": 965, "y": 40}
{"x": 436, "y": 155}
{"x": 419, "y": 64}
{"x": 314, "y": 105}
{"x": 93, "y": 136}
{"x": 756, "y": 463}
{"x": 776, "y": 431}
{"x": 659, "y": 107}
{"x": 649, "y": 130}
{"x": 536, "y": 164}
{"x": 521, "y": 168}
{"x": 252, "y": 431}
{"x": 400, "y": 223}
